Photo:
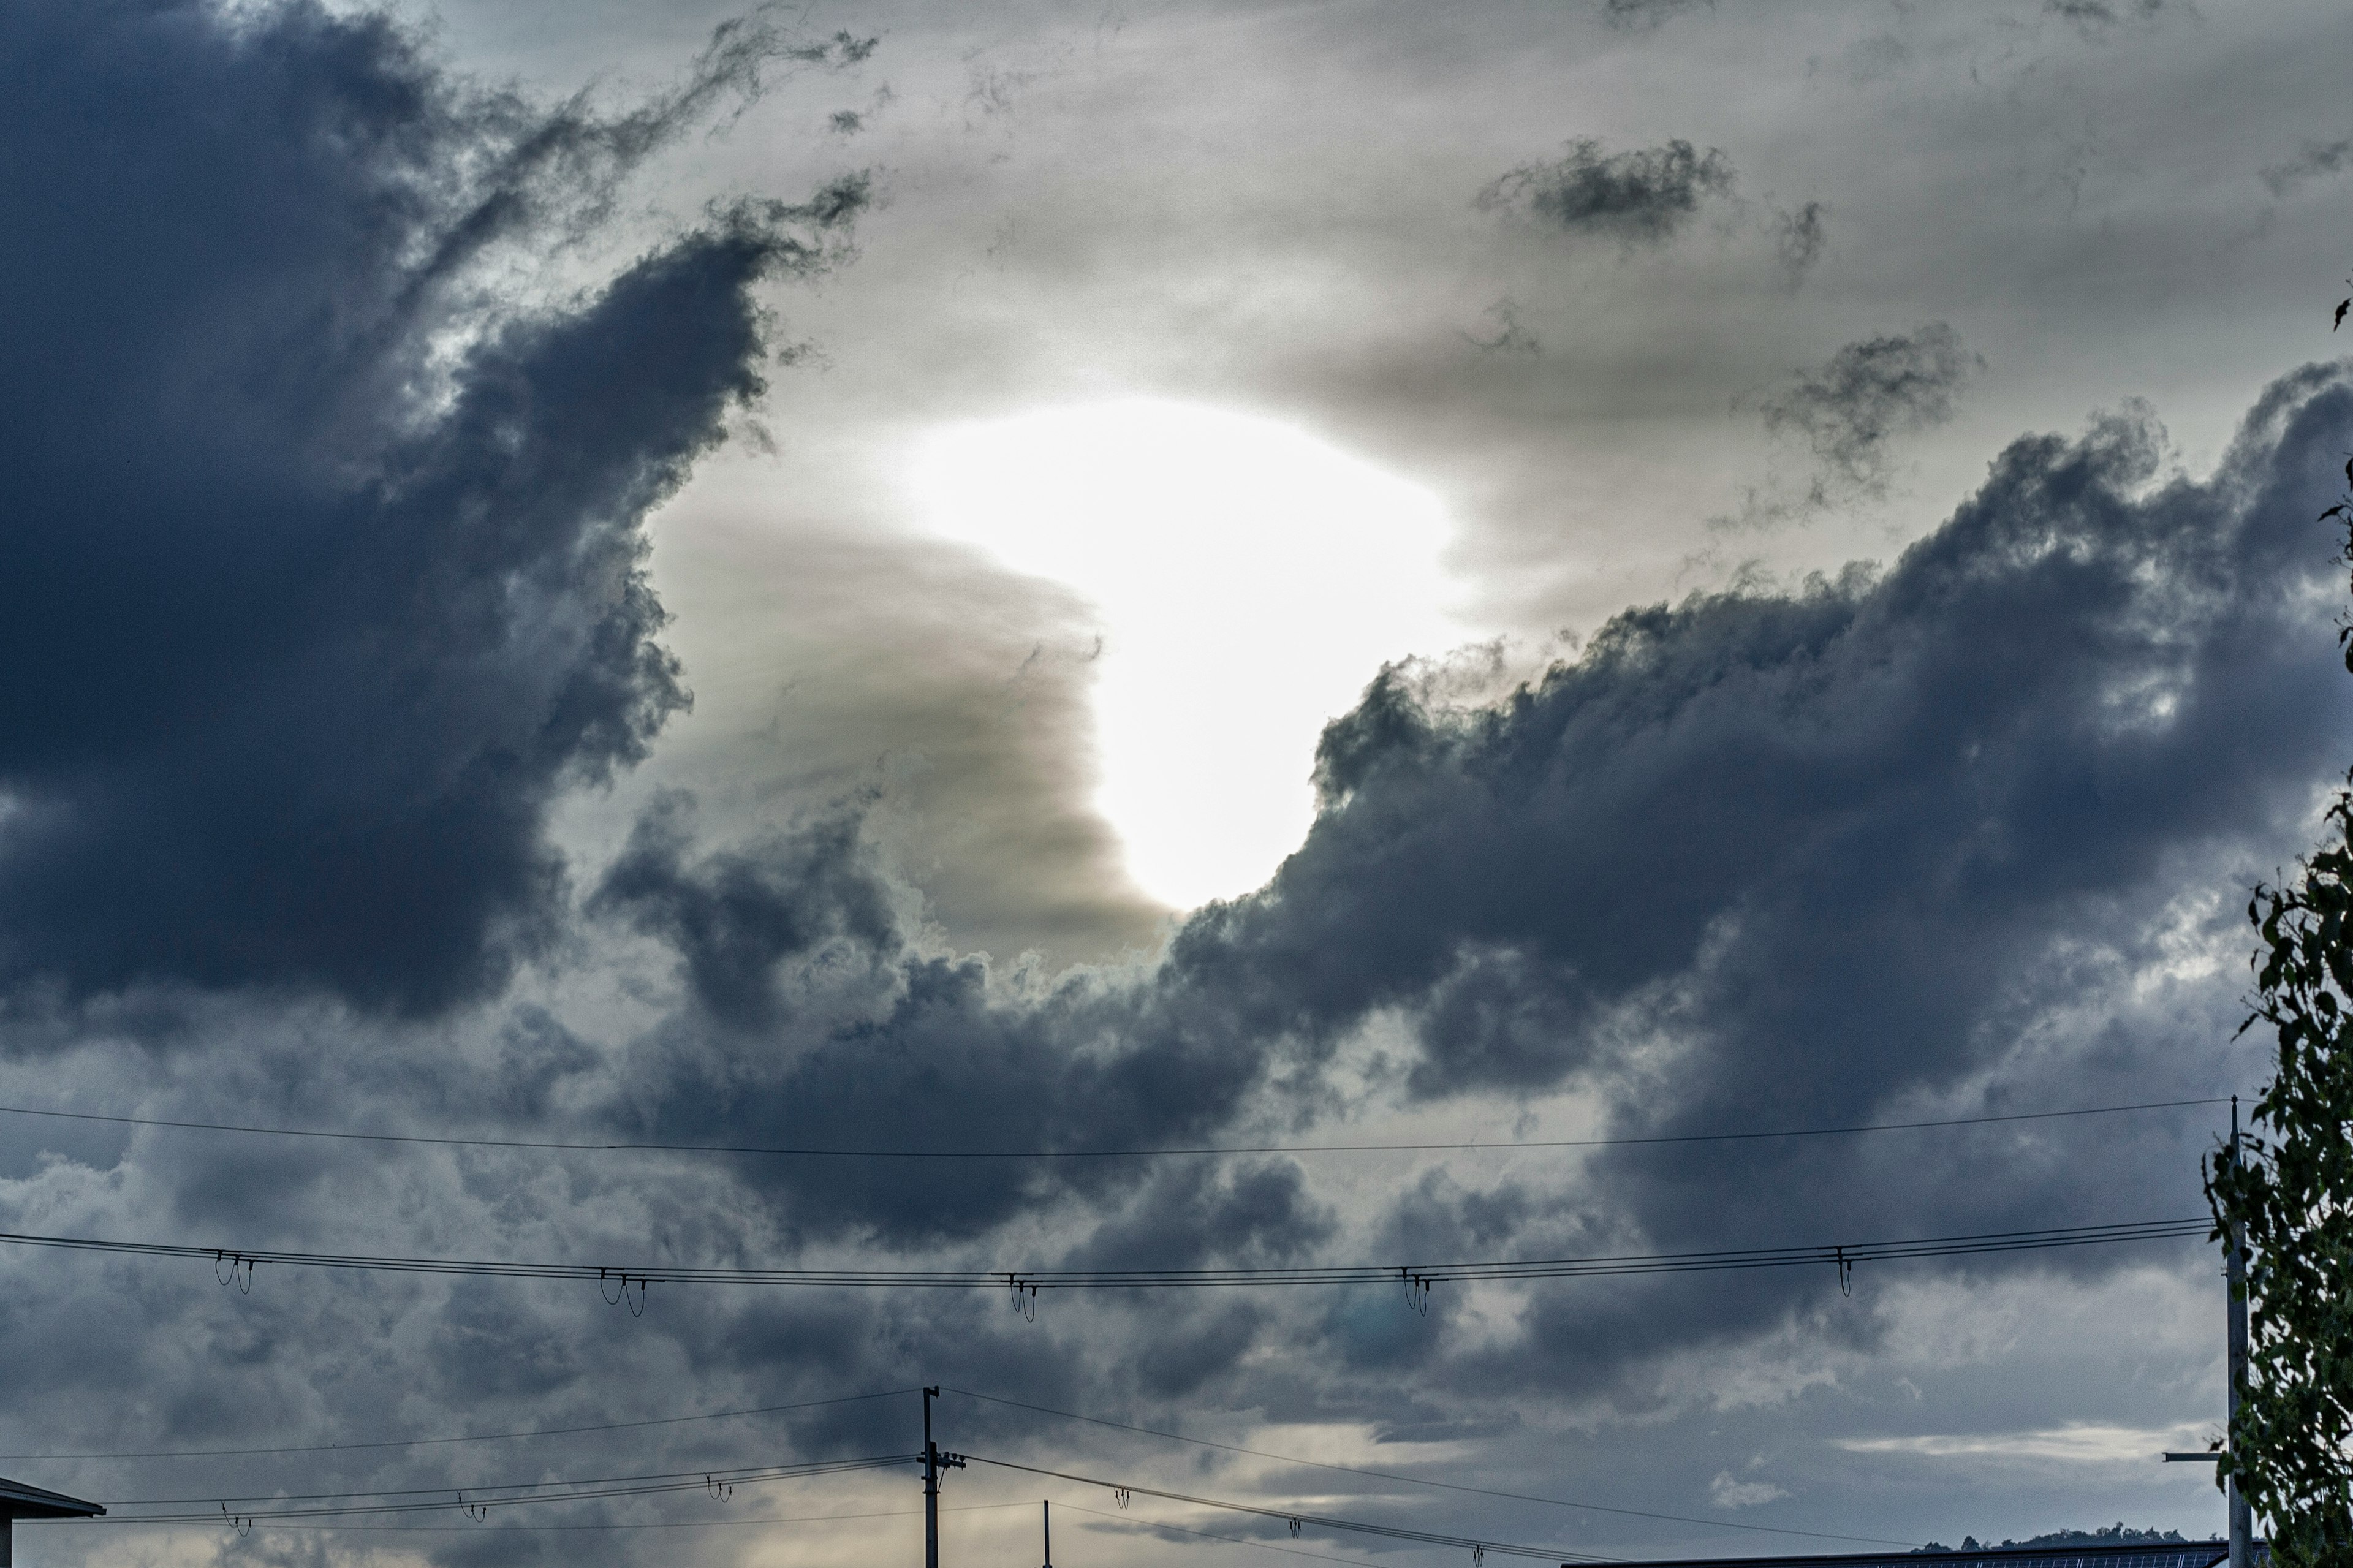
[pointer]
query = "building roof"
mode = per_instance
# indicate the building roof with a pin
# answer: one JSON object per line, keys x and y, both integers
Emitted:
{"x": 2135, "y": 1554}
{"x": 19, "y": 1500}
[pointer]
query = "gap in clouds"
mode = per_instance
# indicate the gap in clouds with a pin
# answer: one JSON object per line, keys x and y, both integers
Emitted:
{"x": 1246, "y": 576}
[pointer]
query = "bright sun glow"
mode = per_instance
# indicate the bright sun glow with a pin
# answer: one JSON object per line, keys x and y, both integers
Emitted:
{"x": 1251, "y": 580}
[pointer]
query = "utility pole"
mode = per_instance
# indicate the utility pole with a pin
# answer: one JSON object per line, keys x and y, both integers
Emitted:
{"x": 934, "y": 1463}
{"x": 2234, "y": 1267}
{"x": 1048, "y": 1506}
{"x": 2235, "y": 1271}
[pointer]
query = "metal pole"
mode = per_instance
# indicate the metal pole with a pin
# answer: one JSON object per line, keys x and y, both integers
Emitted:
{"x": 1046, "y": 1506}
{"x": 2235, "y": 1270}
{"x": 931, "y": 1489}
{"x": 934, "y": 1463}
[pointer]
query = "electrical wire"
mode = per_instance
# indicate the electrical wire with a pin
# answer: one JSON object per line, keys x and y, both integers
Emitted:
{"x": 1303, "y": 1518}
{"x": 477, "y": 1438}
{"x": 1206, "y": 1535}
{"x": 1425, "y": 1481}
{"x": 656, "y": 1524}
{"x": 1414, "y": 1276}
{"x": 1203, "y": 1151}
{"x": 445, "y": 1499}
{"x": 482, "y": 1489}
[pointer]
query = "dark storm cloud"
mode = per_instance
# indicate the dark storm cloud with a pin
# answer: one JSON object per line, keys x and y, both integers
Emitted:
{"x": 1822, "y": 850}
{"x": 1786, "y": 858}
{"x": 1644, "y": 197}
{"x": 1766, "y": 858}
{"x": 945, "y": 1059}
{"x": 1849, "y": 408}
{"x": 1870, "y": 810}
{"x": 2313, "y": 161}
{"x": 326, "y": 562}
{"x": 735, "y": 918}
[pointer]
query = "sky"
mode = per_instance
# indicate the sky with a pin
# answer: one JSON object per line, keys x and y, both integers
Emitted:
{"x": 1017, "y": 581}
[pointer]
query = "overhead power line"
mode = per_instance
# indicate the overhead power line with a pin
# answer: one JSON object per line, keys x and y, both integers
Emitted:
{"x": 602, "y": 1524}
{"x": 1426, "y": 1481}
{"x": 1416, "y": 1276}
{"x": 505, "y": 1491}
{"x": 820, "y": 1152}
{"x": 1303, "y": 1518}
{"x": 473, "y": 1437}
{"x": 478, "y": 1501}
{"x": 1135, "y": 1523}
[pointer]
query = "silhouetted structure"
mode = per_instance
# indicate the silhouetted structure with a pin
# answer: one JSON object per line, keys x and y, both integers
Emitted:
{"x": 19, "y": 1500}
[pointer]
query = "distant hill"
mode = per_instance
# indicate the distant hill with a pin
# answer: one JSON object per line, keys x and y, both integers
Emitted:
{"x": 2110, "y": 1535}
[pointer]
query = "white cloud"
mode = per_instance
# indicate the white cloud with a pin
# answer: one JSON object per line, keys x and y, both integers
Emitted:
{"x": 1726, "y": 1492}
{"x": 2074, "y": 1444}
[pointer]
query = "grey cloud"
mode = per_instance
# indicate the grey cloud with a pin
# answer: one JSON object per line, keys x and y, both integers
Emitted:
{"x": 1839, "y": 848}
{"x": 1178, "y": 1365}
{"x": 2095, "y": 16}
{"x": 1643, "y": 196}
{"x": 2078, "y": 677}
{"x": 1765, "y": 856}
{"x": 314, "y": 620}
{"x": 1768, "y": 856}
{"x": 1438, "y": 1218}
{"x": 1799, "y": 236}
{"x": 1761, "y": 857}
{"x": 1820, "y": 850}
{"x": 736, "y": 916}
{"x": 1850, "y": 408}
{"x": 851, "y": 121}
{"x": 947, "y": 694}
{"x": 2312, "y": 162}
{"x": 1631, "y": 15}
{"x": 1259, "y": 1212}
{"x": 1505, "y": 333}
{"x": 841, "y": 49}
{"x": 947, "y": 1060}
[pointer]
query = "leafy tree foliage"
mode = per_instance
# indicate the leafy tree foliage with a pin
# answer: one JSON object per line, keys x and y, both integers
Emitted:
{"x": 2290, "y": 1190}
